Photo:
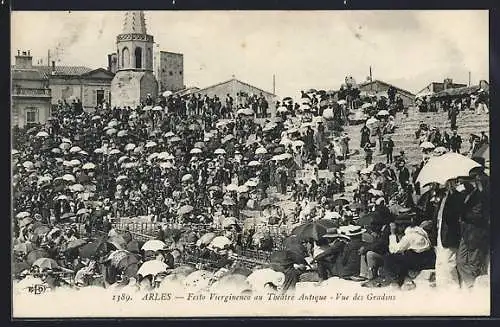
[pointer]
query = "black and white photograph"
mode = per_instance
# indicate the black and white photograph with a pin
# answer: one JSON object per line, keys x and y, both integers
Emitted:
{"x": 250, "y": 163}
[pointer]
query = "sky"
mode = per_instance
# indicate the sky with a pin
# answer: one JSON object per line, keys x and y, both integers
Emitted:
{"x": 304, "y": 49}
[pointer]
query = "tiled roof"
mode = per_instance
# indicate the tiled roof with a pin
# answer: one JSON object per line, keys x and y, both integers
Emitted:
{"x": 234, "y": 80}
{"x": 63, "y": 70}
{"x": 382, "y": 82}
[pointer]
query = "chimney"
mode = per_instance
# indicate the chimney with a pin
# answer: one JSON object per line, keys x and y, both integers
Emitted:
{"x": 53, "y": 66}
{"x": 109, "y": 62}
{"x": 24, "y": 60}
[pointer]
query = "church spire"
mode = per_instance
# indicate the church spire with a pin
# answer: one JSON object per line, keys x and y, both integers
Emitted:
{"x": 134, "y": 23}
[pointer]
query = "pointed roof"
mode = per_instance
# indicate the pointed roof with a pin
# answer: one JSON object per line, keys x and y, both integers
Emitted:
{"x": 134, "y": 23}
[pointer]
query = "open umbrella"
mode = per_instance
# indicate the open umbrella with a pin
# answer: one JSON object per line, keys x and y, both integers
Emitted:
{"x": 36, "y": 254}
{"x": 371, "y": 121}
{"x": 82, "y": 211}
{"x": 42, "y": 134}
{"x": 69, "y": 178}
{"x": 152, "y": 267}
{"x": 219, "y": 242}
{"x": 298, "y": 143}
{"x": 122, "y": 133}
{"x": 254, "y": 163}
{"x": 88, "y": 166}
{"x": 75, "y": 244}
{"x": 427, "y": 145}
{"x": 443, "y": 168}
{"x": 261, "y": 150}
{"x": 383, "y": 113}
{"x": 28, "y": 165}
{"x": 77, "y": 188}
{"x": 154, "y": 245}
{"x": 228, "y": 202}
{"x": 205, "y": 239}
{"x": 220, "y": 151}
{"x": 184, "y": 210}
{"x": 187, "y": 177}
{"x": 150, "y": 144}
{"x": 175, "y": 139}
{"x": 195, "y": 151}
{"x": 75, "y": 149}
{"x": 245, "y": 112}
{"x": 122, "y": 159}
{"x": 157, "y": 108}
{"x": 340, "y": 202}
{"x": 114, "y": 151}
{"x": 46, "y": 263}
{"x": 129, "y": 147}
{"x": 22, "y": 215}
{"x": 90, "y": 250}
{"x": 251, "y": 183}
{"x": 313, "y": 230}
{"x": 121, "y": 178}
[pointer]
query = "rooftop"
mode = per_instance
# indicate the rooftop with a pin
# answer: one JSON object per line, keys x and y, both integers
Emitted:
{"x": 46, "y": 71}
{"x": 134, "y": 23}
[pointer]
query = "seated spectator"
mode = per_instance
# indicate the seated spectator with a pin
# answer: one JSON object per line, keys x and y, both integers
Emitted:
{"x": 413, "y": 252}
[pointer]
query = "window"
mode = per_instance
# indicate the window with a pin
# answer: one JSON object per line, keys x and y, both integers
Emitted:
{"x": 138, "y": 57}
{"x": 170, "y": 73}
{"x": 31, "y": 116}
{"x": 125, "y": 58}
{"x": 163, "y": 70}
{"x": 180, "y": 73}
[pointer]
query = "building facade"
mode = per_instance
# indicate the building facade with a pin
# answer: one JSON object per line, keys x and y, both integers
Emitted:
{"x": 134, "y": 78}
{"x": 378, "y": 86}
{"x": 239, "y": 91}
{"x": 435, "y": 87}
{"x": 31, "y": 96}
{"x": 68, "y": 83}
{"x": 169, "y": 71}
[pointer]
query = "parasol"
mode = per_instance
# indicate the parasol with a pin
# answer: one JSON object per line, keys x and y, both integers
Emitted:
{"x": 154, "y": 245}
{"x": 152, "y": 267}
{"x": 313, "y": 230}
{"x": 443, "y": 168}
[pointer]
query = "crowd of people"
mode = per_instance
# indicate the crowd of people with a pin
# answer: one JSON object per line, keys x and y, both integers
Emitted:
{"x": 214, "y": 180}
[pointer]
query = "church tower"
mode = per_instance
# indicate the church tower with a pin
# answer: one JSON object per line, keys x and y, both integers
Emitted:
{"x": 134, "y": 78}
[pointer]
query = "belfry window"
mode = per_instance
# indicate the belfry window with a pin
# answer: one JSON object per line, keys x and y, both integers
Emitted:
{"x": 138, "y": 57}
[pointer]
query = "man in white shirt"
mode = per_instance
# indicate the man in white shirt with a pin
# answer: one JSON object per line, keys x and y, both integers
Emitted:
{"x": 413, "y": 251}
